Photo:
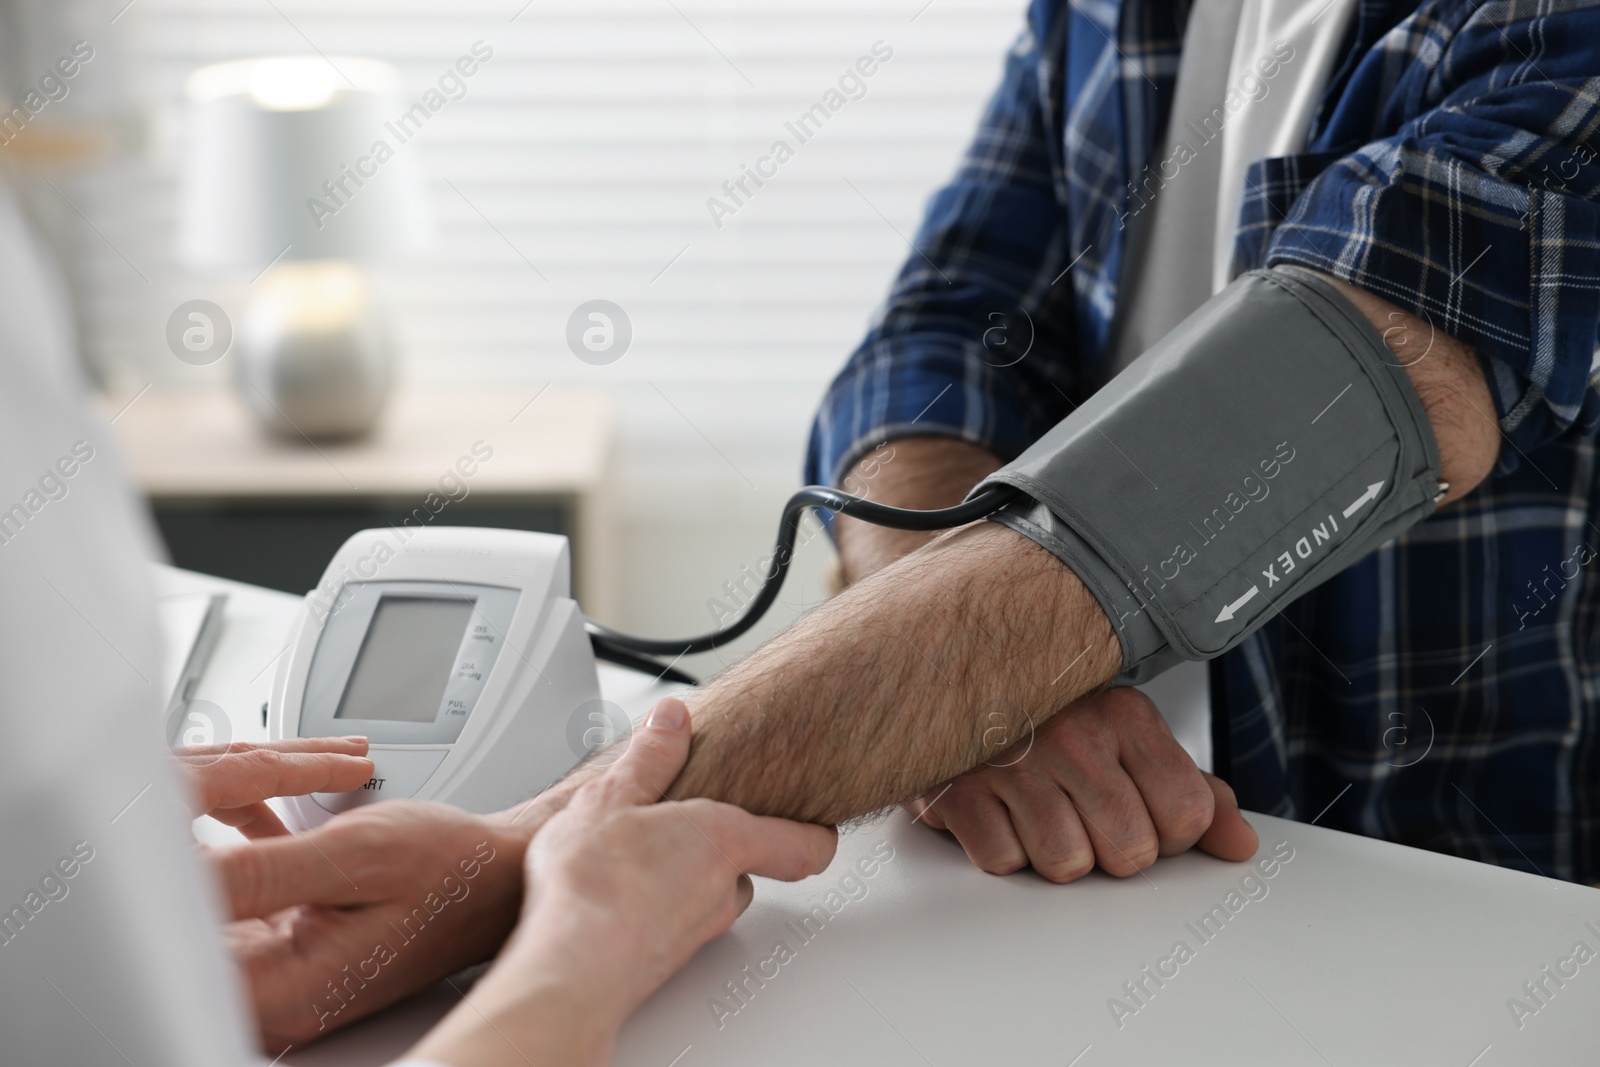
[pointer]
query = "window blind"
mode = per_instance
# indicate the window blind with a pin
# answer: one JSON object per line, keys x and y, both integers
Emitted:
{"x": 587, "y": 160}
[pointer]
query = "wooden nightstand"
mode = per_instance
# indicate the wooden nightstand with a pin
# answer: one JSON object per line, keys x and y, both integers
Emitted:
{"x": 232, "y": 500}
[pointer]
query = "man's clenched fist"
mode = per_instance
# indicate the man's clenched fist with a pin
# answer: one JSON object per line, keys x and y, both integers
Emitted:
{"x": 1103, "y": 783}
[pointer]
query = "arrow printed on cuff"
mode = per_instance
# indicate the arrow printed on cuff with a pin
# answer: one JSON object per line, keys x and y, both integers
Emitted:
{"x": 1233, "y": 608}
{"x": 1228, "y": 612}
{"x": 1364, "y": 499}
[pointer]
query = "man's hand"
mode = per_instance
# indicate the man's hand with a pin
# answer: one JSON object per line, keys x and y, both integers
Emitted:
{"x": 930, "y": 472}
{"x": 1104, "y": 782}
{"x": 377, "y": 904}
{"x": 231, "y": 783}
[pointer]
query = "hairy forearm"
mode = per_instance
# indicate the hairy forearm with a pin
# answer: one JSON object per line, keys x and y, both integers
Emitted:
{"x": 1450, "y": 383}
{"x": 910, "y": 472}
{"x": 904, "y": 680}
{"x": 894, "y": 686}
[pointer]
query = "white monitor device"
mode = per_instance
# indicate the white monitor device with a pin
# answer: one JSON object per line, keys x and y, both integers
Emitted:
{"x": 461, "y": 656}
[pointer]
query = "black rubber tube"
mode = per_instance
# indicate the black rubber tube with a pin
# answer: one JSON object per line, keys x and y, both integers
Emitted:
{"x": 663, "y": 672}
{"x": 823, "y": 498}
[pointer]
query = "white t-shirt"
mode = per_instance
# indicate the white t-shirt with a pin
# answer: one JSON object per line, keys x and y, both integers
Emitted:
{"x": 1182, "y": 221}
{"x": 1278, "y": 123}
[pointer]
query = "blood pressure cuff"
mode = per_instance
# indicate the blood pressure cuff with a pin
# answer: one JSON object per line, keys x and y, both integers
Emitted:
{"x": 1264, "y": 445}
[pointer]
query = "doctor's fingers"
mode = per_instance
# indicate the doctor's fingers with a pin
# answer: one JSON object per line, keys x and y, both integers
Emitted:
{"x": 656, "y": 753}
{"x": 239, "y": 779}
{"x": 751, "y": 844}
{"x": 264, "y": 877}
{"x": 367, "y": 856}
{"x": 254, "y": 821}
{"x": 353, "y": 745}
{"x": 396, "y": 850}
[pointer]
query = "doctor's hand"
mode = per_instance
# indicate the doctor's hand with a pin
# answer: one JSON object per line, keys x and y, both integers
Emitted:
{"x": 1102, "y": 783}
{"x": 623, "y": 889}
{"x": 374, "y": 905}
{"x": 231, "y": 783}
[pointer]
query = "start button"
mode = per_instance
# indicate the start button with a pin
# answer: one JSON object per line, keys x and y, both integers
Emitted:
{"x": 397, "y": 774}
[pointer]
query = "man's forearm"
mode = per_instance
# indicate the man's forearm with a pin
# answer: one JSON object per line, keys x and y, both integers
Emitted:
{"x": 895, "y": 685}
{"x": 1449, "y": 382}
{"x": 918, "y": 472}
{"x": 906, "y": 679}
{"x": 915, "y": 472}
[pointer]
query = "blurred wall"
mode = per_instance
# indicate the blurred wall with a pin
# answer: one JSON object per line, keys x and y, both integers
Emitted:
{"x": 585, "y": 160}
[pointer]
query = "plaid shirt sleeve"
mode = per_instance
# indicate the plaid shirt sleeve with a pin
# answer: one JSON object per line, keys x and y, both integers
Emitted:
{"x": 944, "y": 353}
{"x": 1457, "y": 178}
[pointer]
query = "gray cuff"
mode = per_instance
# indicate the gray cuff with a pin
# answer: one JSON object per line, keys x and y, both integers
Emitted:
{"x": 1261, "y": 447}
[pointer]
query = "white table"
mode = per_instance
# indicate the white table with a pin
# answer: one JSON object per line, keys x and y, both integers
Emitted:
{"x": 1360, "y": 952}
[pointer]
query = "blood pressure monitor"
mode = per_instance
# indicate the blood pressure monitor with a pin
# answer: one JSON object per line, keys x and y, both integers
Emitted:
{"x": 459, "y": 653}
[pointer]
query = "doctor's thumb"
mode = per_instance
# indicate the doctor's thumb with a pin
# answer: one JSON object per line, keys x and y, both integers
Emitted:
{"x": 656, "y": 753}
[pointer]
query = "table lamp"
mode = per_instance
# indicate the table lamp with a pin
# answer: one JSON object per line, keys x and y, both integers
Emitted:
{"x": 296, "y": 172}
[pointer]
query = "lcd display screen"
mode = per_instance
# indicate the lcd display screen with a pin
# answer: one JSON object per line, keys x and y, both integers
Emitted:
{"x": 406, "y": 659}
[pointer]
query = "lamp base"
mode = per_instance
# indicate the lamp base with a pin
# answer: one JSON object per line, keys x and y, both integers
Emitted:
{"x": 315, "y": 361}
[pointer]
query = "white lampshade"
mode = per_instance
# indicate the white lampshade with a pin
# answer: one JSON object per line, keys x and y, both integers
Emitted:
{"x": 304, "y": 152}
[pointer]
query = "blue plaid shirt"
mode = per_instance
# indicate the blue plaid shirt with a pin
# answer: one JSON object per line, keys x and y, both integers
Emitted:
{"x": 1444, "y": 691}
